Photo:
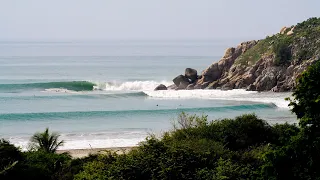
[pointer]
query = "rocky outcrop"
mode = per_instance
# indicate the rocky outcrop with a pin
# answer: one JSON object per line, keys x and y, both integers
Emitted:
{"x": 161, "y": 87}
{"x": 181, "y": 81}
{"x": 264, "y": 75}
{"x": 271, "y": 64}
{"x": 191, "y": 74}
{"x": 172, "y": 87}
{"x": 187, "y": 81}
{"x": 219, "y": 71}
{"x": 283, "y": 30}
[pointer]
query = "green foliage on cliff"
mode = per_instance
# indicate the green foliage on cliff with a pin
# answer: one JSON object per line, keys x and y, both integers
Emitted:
{"x": 306, "y": 102}
{"x": 303, "y": 44}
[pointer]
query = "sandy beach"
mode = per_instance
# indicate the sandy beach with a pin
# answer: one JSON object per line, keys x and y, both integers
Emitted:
{"x": 79, "y": 153}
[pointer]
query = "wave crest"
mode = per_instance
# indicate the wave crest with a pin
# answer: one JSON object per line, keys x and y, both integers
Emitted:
{"x": 68, "y": 85}
{"x": 129, "y": 85}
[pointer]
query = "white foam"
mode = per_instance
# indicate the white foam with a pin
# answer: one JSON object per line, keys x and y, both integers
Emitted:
{"x": 130, "y": 85}
{"x": 100, "y": 143}
{"x": 197, "y": 93}
{"x": 92, "y": 140}
{"x": 88, "y": 143}
{"x": 235, "y": 95}
{"x": 60, "y": 90}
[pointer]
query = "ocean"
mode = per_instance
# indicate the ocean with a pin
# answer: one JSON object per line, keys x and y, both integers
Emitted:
{"x": 99, "y": 94}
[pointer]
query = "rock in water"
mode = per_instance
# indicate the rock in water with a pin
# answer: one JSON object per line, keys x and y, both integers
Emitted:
{"x": 261, "y": 65}
{"x": 251, "y": 87}
{"x": 181, "y": 78}
{"x": 183, "y": 85}
{"x": 191, "y": 74}
{"x": 161, "y": 87}
{"x": 173, "y": 86}
{"x": 190, "y": 86}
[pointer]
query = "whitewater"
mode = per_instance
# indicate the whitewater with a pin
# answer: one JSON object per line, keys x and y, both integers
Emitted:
{"x": 101, "y": 94}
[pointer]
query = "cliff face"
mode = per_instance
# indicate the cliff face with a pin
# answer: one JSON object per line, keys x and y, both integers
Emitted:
{"x": 273, "y": 63}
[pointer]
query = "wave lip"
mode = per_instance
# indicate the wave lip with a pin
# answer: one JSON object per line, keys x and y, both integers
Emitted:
{"x": 68, "y": 85}
{"x": 130, "y": 85}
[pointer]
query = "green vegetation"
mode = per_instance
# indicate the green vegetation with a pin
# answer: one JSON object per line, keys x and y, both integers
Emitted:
{"x": 196, "y": 149}
{"x": 245, "y": 147}
{"x": 303, "y": 44}
{"x": 307, "y": 97}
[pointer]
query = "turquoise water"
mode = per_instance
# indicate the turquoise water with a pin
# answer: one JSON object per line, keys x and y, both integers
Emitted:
{"x": 100, "y": 94}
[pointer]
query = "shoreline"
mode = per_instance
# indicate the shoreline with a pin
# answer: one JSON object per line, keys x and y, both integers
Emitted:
{"x": 80, "y": 153}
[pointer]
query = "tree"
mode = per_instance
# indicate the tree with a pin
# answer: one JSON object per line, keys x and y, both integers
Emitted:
{"x": 46, "y": 142}
{"x": 306, "y": 102}
{"x": 9, "y": 158}
{"x": 300, "y": 157}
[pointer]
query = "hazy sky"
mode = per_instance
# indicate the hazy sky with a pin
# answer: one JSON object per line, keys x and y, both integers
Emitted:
{"x": 149, "y": 19}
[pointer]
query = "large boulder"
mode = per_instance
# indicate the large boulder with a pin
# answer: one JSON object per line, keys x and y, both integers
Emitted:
{"x": 229, "y": 52}
{"x": 283, "y": 30}
{"x": 190, "y": 86}
{"x": 181, "y": 78}
{"x": 191, "y": 74}
{"x": 172, "y": 86}
{"x": 161, "y": 87}
{"x": 251, "y": 87}
{"x": 267, "y": 80}
{"x": 183, "y": 85}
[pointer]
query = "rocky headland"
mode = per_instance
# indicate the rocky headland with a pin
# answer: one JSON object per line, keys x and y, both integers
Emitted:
{"x": 270, "y": 64}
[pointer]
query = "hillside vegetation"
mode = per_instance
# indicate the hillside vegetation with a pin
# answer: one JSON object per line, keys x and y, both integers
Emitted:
{"x": 303, "y": 44}
{"x": 273, "y": 63}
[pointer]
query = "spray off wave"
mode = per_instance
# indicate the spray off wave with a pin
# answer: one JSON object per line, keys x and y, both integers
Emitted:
{"x": 129, "y": 85}
{"x": 146, "y": 88}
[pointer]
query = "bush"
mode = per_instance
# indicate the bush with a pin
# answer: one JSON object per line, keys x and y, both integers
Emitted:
{"x": 283, "y": 133}
{"x": 41, "y": 165}
{"x": 299, "y": 158}
{"x": 282, "y": 50}
{"x": 245, "y": 147}
{"x": 306, "y": 102}
{"x": 10, "y": 156}
{"x": 240, "y": 133}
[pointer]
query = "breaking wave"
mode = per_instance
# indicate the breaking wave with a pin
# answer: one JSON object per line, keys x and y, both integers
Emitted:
{"x": 68, "y": 85}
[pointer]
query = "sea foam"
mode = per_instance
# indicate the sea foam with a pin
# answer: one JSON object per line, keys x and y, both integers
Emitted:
{"x": 129, "y": 85}
{"x": 91, "y": 140}
{"x": 236, "y": 95}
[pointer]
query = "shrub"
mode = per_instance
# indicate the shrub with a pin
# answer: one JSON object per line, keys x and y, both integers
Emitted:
{"x": 306, "y": 102}
{"x": 282, "y": 133}
{"x": 282, "y": 50}
{"x": 41, "y": 165}
{"x": 10, "y": 156}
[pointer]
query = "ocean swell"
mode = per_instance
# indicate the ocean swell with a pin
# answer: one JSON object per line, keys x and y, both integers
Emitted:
{"x": 129, "y": 113}
{"x": 68, "y": 85}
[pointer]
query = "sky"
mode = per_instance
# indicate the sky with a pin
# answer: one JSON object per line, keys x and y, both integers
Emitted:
{"x": 149, "y": 19}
